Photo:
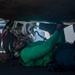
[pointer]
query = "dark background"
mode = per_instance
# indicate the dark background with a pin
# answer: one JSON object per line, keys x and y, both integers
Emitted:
{"x": 48, "y": 10}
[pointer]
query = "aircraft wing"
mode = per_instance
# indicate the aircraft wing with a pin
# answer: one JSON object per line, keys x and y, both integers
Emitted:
{"x": 48, "y": 10}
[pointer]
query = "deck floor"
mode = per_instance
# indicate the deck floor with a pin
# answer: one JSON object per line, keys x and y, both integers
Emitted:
{"x": 12, "y": 67}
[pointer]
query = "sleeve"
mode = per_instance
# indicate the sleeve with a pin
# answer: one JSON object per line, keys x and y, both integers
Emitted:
{"x": 31, "y": 53}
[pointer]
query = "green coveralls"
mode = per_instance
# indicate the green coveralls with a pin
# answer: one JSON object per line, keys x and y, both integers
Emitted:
{"x": 39, "y": 53}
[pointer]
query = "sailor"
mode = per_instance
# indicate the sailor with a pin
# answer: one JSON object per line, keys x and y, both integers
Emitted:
{"x": 39, "y": 53}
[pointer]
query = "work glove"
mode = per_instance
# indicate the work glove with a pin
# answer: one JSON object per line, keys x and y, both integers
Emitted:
{"x": 60, "y": 26}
